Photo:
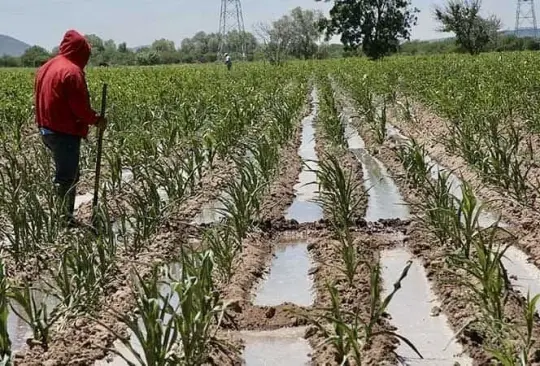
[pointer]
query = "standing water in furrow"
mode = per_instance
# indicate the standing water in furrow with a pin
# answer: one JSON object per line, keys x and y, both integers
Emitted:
{"x": 430, "y": 335}
{"x": 384, "y": 199}
{"x": 282, "y": 347}
{"x": 414, "y": 312}
{"x": 18, "y": 330}
{"x": 303, "y": 208}
{"x": 288, "y": 280}
{"x": 175, "y": 270}
{"x": 524, "y": 276}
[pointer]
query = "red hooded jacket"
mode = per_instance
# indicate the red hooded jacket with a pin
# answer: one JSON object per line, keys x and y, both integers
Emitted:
{"x": 61, "y": 95}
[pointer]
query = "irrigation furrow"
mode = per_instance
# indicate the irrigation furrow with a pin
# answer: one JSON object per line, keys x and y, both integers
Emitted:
{"x": 303, "y": 209}
{"x": 517, "y": 216}
{"x": 425, "y": 327}
{"x": 523, "y": 274}
{"x": 66, "y": 342}
{"x": 416, "y": 291}
{"x": 455, "y": 296}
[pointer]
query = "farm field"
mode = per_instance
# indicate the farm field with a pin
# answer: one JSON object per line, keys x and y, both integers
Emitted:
{"x": 325, "y": 213}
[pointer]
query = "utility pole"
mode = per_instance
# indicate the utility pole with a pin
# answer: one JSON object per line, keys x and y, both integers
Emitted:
{"x": 526, "y": 17}
{"x": 231, "y": 19}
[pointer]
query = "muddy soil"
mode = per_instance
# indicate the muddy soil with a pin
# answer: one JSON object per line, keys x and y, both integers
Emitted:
{"x": 281, "y": 191}
{"x": 350, "y": 164}
{"x": 81, "y": 340}
{"x": 354, "y": 297}
{"x": 454, "y": 297}
{"x": 428, "y": 130}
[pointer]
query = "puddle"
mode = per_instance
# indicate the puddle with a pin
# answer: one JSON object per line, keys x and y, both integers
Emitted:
{"x": 524, "y": 276}
{"x": 18, "y": 331}
{"x": 83, "y": 199}
{"x": 431, "y": 335}
{"x": 282, "y": 347}
{"x": 303, "y": 208}
{"x": 209, "y": 213}
{"x": 288, "y": 279}
{"x": 384, "y": 199}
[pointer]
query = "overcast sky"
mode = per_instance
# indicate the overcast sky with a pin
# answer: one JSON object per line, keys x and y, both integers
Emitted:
{"x": 140, "y": 22}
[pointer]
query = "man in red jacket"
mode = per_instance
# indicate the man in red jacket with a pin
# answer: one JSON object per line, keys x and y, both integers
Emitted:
{"x": 63, "y": 114}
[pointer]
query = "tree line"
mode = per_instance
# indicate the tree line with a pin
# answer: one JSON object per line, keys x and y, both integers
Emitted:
{"x": 295, "y": 35}
{"x": 372, "y": 28}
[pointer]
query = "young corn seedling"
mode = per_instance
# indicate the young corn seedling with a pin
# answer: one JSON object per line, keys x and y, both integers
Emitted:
{"x": 200, "y": 311}
{"x": 223, "y": 243}
{"x": 242, "y": 202}
{"x": 467, "y": 221}
{"x": 153, "y": 324}
{"x": 338, "y": 191}
{"x": 413, "y": 158}
{"x": 379, "y": 126}
{"x": 512, "y": 354}
{"x": 346, "y": 331}
{"x": 488, "y": 281}
{"x": 33, "y": 312}
{"x": 439, "y": 208}
{"x": 349, "y": 254}
{"x": 334, "y": 130}
{"x": 266, "y": 155}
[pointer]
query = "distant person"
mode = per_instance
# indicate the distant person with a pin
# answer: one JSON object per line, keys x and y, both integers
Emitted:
{"x": 228, "y": 61}
{"x": 63, "y": 114}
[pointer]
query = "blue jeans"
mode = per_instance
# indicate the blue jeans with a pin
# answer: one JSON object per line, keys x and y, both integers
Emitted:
{"x": 65, "y": 150}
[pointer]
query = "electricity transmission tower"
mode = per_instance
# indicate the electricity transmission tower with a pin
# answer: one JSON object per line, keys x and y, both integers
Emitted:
{"x": 231, "y": 19}
{"x": 526, "y": 17}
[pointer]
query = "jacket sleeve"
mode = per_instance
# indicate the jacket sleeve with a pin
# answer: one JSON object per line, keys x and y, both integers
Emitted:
{"x": 79, "y": 99}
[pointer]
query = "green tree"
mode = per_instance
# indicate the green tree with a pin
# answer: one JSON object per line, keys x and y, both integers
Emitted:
{"x": 375, "y": 25}
{"x": 95, "y": 42}
{"x": 305, "y": 32}
{"x": 294, "y": 35}
{"x": 35, "y": 56}
{"x": 122, "y": 47}
{"x": 163, "y": 45}
{"x": 473, "y": 33}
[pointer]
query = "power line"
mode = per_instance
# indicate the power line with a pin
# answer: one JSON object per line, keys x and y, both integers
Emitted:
{"x": 231, "y": 19}
{"x": 526, "y": 17}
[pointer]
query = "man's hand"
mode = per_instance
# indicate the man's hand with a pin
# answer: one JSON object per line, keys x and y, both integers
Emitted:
{"x": 101, "y": 123}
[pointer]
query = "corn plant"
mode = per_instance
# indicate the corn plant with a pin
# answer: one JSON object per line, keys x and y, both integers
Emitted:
{"x": 329, "y": 117}
{"x": 489, "y": 281}
{"x": 348, "y": 332}
{"x": 349, "y": 253}
{"x": 413, "y": 158}
{"x": 241, "y": 203}
{"x": 379, "y": 127}
{"x": 178, "y": 326}
{"x": 518, "y": 353}
{"x": 339, "y": 191}
{"x": 152, "y": 325}
{"x": 439, "y": 208}
{"x": 200, "y": 311}
{"x": 224, "y": 245}
{"x": 34, "y": 311}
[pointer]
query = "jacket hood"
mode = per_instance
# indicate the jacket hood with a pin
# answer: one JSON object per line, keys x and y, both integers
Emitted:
{"x": 75, "y": 48}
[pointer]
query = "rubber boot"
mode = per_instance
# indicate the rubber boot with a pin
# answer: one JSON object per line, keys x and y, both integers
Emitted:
{"x": 66, "y": 196}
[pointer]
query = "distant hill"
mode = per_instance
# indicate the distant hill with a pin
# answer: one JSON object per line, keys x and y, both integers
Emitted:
{"x": 525, "y": 32}
{"x": 12, "y": 47}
